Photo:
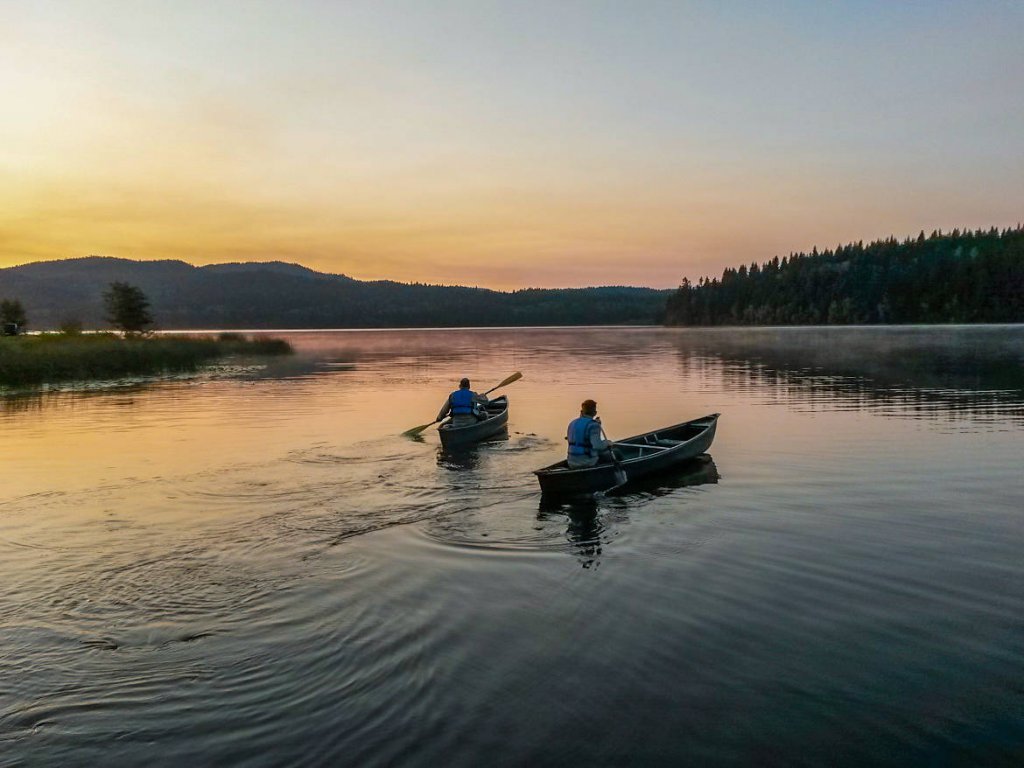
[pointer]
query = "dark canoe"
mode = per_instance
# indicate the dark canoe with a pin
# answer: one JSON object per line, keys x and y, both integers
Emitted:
{"x": 639, "y": 456}
{"x": 496, "y": 421}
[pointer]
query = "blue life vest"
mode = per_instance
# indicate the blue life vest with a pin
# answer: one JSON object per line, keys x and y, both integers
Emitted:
{"x": 462, "y": 401}
{"x": 579, "y": 437}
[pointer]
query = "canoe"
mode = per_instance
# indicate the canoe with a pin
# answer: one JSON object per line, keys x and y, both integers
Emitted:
{"x": 496, "y": 421}
{"x": 639, "y": 456}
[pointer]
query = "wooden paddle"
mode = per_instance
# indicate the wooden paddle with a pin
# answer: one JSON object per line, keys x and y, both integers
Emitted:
{"x": 620, "y": 471}
{"x": 416, "y": 430}
{"x": 514, "y": 377}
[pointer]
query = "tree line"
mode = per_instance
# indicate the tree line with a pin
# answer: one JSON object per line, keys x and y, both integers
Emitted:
{"x": 126, "y": 306}
{"x": 955, "y": 277}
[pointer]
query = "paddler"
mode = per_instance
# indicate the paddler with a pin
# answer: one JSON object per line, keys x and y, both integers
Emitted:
{"x": 587, "y": 445}
{"x": 465, "y": 406}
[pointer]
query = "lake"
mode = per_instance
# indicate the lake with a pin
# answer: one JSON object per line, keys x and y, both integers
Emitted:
{"x": 252, "y": 567}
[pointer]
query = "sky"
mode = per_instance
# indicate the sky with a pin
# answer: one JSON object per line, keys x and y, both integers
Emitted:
{"x": 503, "y": 144}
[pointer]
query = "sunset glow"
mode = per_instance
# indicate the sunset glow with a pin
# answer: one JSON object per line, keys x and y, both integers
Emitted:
{"x": 500, "y": 144}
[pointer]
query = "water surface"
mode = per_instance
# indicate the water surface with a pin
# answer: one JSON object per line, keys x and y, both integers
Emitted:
{"x": 252, "y": 567}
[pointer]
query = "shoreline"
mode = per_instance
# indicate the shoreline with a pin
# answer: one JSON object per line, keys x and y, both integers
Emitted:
{"x": 39, "y": 359}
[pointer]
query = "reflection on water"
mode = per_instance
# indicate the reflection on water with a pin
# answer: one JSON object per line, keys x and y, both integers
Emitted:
{"x": 584, "y": 531}
{"x": 591, "y": 520}
{"x": 252, "y": 566}
{"x": 467, "y": 457}
{"x": 957, "y": 371}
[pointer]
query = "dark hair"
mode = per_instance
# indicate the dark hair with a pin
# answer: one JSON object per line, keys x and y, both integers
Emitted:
{"x": 589, "y": 407}
{"x": 464, "y": 384}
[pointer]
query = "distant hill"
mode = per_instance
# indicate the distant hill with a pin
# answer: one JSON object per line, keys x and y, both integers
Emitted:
{"x": 958, "y": 277}
{"x": 280, "y": 295}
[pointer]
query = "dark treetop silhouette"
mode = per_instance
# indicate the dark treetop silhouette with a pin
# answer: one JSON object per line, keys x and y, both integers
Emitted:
{"x": 959, "y": 277}
{"x": 127, "y": 308}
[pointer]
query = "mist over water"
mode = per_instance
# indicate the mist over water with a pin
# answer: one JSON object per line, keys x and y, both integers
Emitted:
{"x": 252, "y": 567}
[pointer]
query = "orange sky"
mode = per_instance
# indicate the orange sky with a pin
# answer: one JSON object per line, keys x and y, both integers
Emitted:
{"x": 509, "y": 147}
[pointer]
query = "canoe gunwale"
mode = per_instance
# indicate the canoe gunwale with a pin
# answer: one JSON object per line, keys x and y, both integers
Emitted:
{"x": 559, "y": 478}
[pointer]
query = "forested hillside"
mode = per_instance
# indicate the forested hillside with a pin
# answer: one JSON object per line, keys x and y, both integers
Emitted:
{"x": 278, "y": 295}
{"x": 956, "y": 277}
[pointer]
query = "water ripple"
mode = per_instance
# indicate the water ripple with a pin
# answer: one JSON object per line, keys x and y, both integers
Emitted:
{"x": 262, "y": 572}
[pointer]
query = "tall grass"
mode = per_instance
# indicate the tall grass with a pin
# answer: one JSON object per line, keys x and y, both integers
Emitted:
{"x": 52, "y": 357}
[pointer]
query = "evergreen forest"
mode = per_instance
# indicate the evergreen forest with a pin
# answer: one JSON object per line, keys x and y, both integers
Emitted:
{"x": 955, "y": 277}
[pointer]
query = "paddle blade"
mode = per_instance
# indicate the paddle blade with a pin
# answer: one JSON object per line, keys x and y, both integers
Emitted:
{"x": 514, "y": 377}
{"x": 416, "y": 430}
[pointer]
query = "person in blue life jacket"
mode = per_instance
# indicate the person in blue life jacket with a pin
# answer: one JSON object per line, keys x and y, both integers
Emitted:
{"x": 587, "y": 445}
{"x": 464, "y": 406}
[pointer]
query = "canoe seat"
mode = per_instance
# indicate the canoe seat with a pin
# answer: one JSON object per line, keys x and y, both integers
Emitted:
{"x": 669, "y": 443}
{"x": 646, "y": 446}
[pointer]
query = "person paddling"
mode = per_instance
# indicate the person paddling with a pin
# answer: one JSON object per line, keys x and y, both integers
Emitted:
{"x": 464, "y": 405}
{"x": 587, "y": 445}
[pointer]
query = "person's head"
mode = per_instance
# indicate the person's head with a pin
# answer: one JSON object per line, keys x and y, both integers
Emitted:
{"x": 464, "y": 384}
{"x": 588, "y": 408}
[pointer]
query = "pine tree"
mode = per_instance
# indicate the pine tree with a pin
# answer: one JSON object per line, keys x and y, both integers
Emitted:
{"x": 127, "y": 308}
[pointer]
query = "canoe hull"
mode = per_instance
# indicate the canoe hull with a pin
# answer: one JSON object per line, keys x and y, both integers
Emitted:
{"x": 459, "y": 437}
{"x": 643, "y": 455}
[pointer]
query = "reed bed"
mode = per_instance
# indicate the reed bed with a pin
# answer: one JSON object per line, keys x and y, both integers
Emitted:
{"x": 54, "y": 357}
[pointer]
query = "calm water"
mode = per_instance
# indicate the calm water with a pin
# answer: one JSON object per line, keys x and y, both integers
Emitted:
{"x": 251, "y": 567}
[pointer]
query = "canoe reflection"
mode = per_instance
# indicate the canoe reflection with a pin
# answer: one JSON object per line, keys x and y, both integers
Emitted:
{"x": 700, "y": 471}
{"x": 589, "y": 520}
{"x": 466, "y": 457}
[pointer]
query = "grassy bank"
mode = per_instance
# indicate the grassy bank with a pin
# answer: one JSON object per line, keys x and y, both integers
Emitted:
{"x": 53, "y": 357}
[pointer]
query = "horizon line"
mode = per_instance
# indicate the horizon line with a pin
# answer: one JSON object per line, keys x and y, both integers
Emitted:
{"x": 333, "y": 274}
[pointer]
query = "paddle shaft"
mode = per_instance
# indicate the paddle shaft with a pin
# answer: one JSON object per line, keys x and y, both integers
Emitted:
{"x": 615, "y": 460}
